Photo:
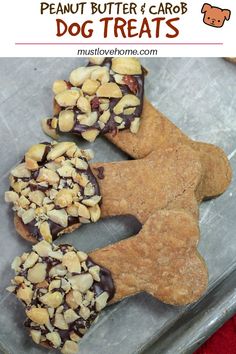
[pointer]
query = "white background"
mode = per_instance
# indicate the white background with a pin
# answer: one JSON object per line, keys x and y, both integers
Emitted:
{"x": 21, "y": 22}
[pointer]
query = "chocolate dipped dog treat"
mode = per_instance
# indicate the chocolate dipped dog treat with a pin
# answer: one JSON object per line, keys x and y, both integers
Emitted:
{"x": 53, "y": 190}
{"x": 152, "y": 132}
{"x": 105, "y": 96}
{"x": 64, "y": 289}
{"x": 167, "y": 179}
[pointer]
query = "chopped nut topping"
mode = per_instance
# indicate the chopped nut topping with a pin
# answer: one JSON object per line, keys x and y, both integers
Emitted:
{"x": 135, "y": 125}
{"x": 11, "y": 197}
{"x": 54, "y": 338}
{"x": 30, "y": 260}
{"x": 37, "y": 274}
{"x": 53, "y": 300}
{"x": 101, "y": 301}
{"x": 69, "y": 347}
{"x": 72, "y": 262}
{"x": 62, "y": 307}
{"x": 67, "y": 98}
{"x": 28, "y": 216}
{"x": 81, "y": 282}
{"x": 110, "y": 89}
{"x": 90, "y": 135}
{"x": 21, "y": 171}
{"x": 66, "y": 121}
{"x": 38, "y": 315}
{"x": 59, "y": 86}
{"x": 35, "y": 335}
{"x": 51, "y": 198}
{"x": 36, "y": 152}
{"x": 96, "y": 95}
{"x": 25, "y": 294}
{"x": 126, "y": 66}
{"x": 45, "y": 231}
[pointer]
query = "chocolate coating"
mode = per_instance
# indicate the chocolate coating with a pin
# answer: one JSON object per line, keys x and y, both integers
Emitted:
{"x": 132, "y": 85}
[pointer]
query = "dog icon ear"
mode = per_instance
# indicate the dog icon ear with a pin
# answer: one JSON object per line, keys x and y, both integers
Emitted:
{"x": 206, "y": 7}
{"x": 227, "y": 14}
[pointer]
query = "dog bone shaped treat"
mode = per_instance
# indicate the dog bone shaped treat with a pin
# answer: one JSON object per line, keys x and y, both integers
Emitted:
{"x": 105, "y": 96}
{"x": 64, "y": 289}
{"x": 156, "y": 131}
{"x": 53, "y": 189}
{"x": 165, "y": 179}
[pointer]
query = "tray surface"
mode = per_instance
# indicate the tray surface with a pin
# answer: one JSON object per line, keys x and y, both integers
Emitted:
{"x": 199, "y": 96}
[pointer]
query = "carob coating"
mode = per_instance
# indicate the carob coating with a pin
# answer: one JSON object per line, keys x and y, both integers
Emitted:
{"x": 111, "y": 125}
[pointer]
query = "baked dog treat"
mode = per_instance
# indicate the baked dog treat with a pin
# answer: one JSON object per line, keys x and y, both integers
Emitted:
{"x": 106, "y": 96}
{"x": 53, "y": 190}
{"x": 167, "y": 179}
{"x": 64, "y": 289}
{"x": 156, "y": 131}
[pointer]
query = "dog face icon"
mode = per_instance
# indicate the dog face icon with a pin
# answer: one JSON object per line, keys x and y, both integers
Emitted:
{"x": 214, "y": 16}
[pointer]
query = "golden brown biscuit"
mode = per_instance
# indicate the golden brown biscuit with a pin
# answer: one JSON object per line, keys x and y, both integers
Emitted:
{"x": 64, "y": 289}
{"x": 167, "y": 179}
{"x": 157, "y": 131}
{"x": 161, "y": 260}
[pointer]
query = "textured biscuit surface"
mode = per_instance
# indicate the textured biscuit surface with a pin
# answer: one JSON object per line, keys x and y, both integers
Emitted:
{"x": 162, "y": 260}
{"x": 166, "y": 179}
{"x": 157, "y": 131}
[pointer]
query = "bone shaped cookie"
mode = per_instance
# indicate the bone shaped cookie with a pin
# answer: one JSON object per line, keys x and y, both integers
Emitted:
{"x": 147, "y": 134}
{"x": 157, "y": 131}
{"x": 64, "y": 289}
{"x": 167, "y": 179}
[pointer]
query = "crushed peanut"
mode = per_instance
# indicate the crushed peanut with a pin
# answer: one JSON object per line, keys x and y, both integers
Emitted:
{"x": 105, "y": 96}
{"x": 65, "y": 301}
{"x": 58, "y": 194}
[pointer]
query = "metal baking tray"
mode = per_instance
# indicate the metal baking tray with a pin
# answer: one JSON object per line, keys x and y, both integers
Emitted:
{"x": 197, "y": 94}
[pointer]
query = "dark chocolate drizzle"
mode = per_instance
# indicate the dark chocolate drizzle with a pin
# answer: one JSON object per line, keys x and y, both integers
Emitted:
{"x": 111, "y": 126}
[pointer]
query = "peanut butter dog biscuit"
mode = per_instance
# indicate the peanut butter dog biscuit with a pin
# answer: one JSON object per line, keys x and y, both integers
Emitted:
{"x": 53, "y": 190}
{"x": 167, "y": 179}
{"x": 64, "y": 290}
{"x": 105, "y": 96}
{"x": 161, "y": 260}
{"x": 157, "y": 131}
{"x": 151, "y": 132}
